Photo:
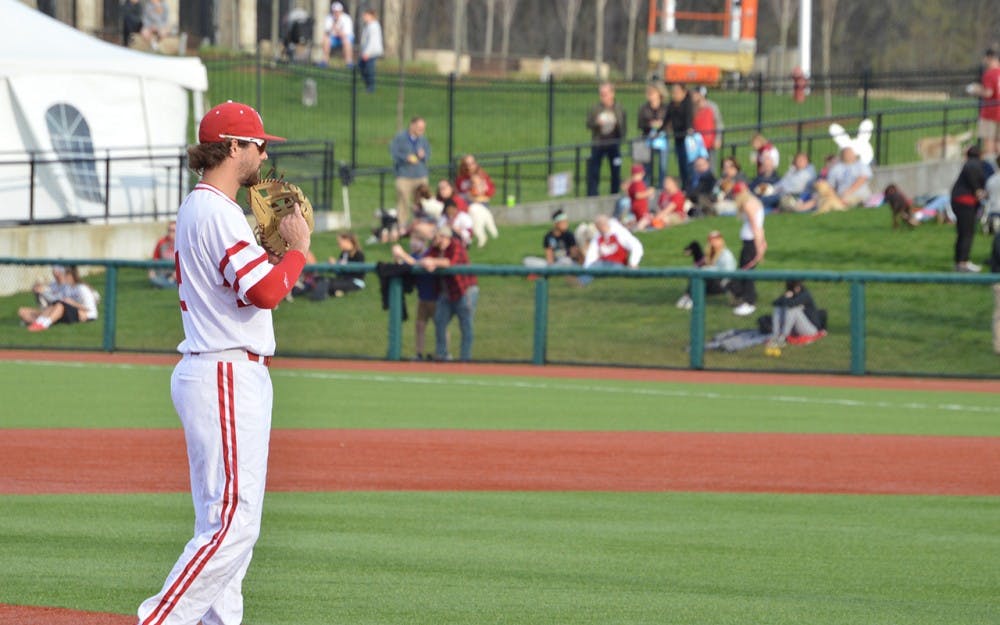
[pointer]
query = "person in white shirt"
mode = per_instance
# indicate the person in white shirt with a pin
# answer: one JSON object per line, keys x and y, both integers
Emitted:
{"x": 339, "y": 31}
{"x": 227, "y": 285}
{"x": 612, "y": 246}
{"x": 76, "y": 303}
{"x": 371, "y": 47}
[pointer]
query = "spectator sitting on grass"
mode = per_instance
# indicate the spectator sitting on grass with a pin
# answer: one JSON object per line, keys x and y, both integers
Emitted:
{"x": 717, "y": 258}
{"x": 612, "y": 246}
{"x": 78, "y": 303}
{"x": 795, "y": 320}
{"x": 164, "y": 250}
{"x": 671, "y": 205}
{"x": 559, "y": 244}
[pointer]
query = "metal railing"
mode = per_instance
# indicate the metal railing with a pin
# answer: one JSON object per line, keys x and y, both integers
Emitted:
{"x": 857, "y": 342}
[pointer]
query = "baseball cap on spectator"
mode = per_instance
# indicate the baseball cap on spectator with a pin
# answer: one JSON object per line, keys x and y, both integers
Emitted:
{"x": 232, "y": 120}
{"x": 559, "y": 215}
{"x": 638, "y": 169}
{"x": 336, "y": 6}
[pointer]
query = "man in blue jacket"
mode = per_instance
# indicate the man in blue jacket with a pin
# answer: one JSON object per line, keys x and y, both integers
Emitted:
{"x": 410, "y": 153}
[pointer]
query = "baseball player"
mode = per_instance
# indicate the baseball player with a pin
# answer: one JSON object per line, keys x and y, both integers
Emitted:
{"x": 221, "y": 389}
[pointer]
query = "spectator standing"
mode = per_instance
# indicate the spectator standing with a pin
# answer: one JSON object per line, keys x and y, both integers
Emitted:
{"x": 606, "y": 121}
{"x": 708, "y": 123}
{"x": 752, "y": 251}
{"x": 652, "y": 121}
{"x": 77, "y": 303}
{"x": 559, "y": 244}
{"x": 410, "y": 152}
{"x": 339, "y": 34}
{"x": 966, "y": 194}
{"x": 421, "y": 239}
{"x": 164, "y": 250}
{"x": 155, "y": 22}
{"x": 132, "y": 11}
{"x": 680, "y": 113}
{"x": 371, "y": 47}
{"x": 458, "y": 295}
{"x": 988, "y": 90}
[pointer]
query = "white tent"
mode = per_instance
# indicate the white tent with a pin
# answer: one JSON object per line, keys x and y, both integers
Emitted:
{"x": 65, "y": 94}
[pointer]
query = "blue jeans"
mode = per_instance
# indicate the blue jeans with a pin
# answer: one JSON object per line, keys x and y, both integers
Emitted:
{"x": 659, "y": 150}
{"x": 465, "y": 308}
{"x": 368, "y": 73}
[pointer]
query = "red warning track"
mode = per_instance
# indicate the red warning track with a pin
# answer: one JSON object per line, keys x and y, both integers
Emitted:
{"x": 130, "y": 461}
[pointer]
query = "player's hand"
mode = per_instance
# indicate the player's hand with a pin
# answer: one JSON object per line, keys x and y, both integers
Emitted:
{"x": 294, "y": 230}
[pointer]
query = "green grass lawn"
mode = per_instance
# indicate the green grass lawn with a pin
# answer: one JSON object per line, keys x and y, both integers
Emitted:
{"x": 515, "y": 558}
{"x": 911, "y": 328}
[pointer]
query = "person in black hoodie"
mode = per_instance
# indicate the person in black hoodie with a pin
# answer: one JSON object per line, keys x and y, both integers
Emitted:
{"x": 967, "y": 192}
{"x": 795, "y": 320}
{"x": 680, "y": 115}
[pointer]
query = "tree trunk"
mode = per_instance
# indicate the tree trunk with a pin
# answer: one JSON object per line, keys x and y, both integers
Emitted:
{"x": 568, "y": 11}
{"x": 488, "y": 47}
{"x": 633, "y": 17}
{"x": 599, "y": 38}
{"x": 458, "y": 21}
{"x": 507, "y": 9}
{"x": 407, "y": 14}
{"x": 826, "y": 37}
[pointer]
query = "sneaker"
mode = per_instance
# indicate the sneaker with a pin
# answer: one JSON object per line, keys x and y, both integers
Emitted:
{"x": 685, "y": 302}
{"x": 36, "y": 327}
{"x": 968, "y": 267}
{"x": 808, "y": 338}
{"x": 744, "y": 310}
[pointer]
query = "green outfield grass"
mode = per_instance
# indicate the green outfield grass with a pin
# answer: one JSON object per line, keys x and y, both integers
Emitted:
{"x": 345, "y": 399}
{"x": 413, "y": 558}
{"x": 532, "y": 558}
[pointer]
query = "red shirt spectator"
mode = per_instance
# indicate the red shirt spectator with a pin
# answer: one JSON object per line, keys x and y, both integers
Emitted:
{"x": 472, "y": 182}
{"x": 991, "y": 94}
{"x": 675, "y": 201}
{"x": 456, "y": 255}
{"x": 640, "y": 199}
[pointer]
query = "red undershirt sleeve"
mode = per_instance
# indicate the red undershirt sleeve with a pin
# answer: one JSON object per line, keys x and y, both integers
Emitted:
{"x": 270, "y": 290}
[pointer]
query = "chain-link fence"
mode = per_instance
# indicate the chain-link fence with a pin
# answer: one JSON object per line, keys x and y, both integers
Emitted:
{"x": 910, "y": 324}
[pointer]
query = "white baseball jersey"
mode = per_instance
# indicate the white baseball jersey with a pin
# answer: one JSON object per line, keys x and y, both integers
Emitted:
{"x": 218, "y": 261}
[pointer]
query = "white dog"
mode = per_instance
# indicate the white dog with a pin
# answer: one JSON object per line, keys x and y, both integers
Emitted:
{"x": 584, "y": 233}
{"x": 482, "y": 223}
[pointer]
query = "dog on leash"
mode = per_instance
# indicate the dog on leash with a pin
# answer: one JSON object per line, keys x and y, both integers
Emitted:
{"x": 482, "y": 223}
{"x": 695, "y": 251}
{"x": 901, "y": 207}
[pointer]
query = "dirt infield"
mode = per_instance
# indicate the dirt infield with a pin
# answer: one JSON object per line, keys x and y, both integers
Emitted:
{"x": 131, "y": 461}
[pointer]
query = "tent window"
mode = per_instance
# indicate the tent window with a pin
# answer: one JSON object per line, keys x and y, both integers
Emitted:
{"x": 71, "y": 139}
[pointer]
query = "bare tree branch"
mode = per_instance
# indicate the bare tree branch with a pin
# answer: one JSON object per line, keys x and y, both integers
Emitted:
{"x": 568, "y": 11}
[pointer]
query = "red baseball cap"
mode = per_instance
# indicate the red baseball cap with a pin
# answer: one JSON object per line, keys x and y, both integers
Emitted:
{"x": 232, "y": 120}
{"x": 638, "y": 169}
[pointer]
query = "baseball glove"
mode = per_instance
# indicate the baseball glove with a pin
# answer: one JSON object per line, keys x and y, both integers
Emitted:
{"x": 271, "y": 200}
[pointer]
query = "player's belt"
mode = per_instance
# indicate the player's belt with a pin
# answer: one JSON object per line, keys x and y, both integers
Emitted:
{"x": 234, "y": 355}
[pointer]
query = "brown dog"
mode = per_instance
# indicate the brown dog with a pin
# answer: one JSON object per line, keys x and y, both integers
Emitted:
{"x": 901, "y": 206}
